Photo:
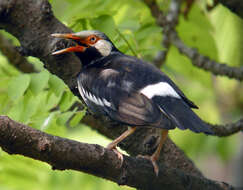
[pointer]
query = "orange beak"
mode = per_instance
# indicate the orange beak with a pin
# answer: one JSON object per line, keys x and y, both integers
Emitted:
{"x": 77, "y": 48}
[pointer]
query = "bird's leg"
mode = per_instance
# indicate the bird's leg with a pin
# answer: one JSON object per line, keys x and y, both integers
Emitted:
{"x": 113, "y": 144}
{"x": 156, "y": 154}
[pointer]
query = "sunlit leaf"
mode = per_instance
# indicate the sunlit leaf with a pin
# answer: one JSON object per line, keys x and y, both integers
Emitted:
{"x": 228, "y": 29}
{"x": 104, "y": 23}
{"x": 66, "y": 101}
{"x": 18, "y": 85}
{"x": 64, "y": 117}
{"x": 56, "y": 84}
{"x": 39, "y": 81}
{"x": 76, "y": 119}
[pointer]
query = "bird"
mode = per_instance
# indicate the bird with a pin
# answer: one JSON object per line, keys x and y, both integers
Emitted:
{"x": 129, "y": 90}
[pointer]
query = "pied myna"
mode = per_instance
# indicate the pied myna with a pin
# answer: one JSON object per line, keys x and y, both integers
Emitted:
{"x": 129, "y": 90}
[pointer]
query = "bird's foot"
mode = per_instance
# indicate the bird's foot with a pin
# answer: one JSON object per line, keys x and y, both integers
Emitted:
{"x": 153, "y": 161}
{"x": 114, "y": 149}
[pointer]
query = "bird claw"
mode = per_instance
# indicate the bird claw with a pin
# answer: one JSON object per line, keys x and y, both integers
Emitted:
{"x": 119, "y": 155}
{"x": 153, "y": 161}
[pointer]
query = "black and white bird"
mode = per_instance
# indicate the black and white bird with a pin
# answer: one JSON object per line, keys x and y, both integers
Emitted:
{"x": 129, "y": 90}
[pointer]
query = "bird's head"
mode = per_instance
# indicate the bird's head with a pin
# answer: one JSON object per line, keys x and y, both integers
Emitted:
{"x": 90, "y": 45}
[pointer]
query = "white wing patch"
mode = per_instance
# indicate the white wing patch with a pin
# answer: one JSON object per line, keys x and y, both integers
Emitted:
{"x": 159, "y": 89}
{"x": 81, "y": 91}
{"x": 88, "y": 96}
{"x": 106, "y": 103}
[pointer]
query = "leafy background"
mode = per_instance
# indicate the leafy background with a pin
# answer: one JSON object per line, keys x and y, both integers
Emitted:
{"x": 33, "y": 98}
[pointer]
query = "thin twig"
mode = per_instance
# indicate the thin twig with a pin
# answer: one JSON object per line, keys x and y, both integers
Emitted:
{"x": 168, "y": 23}
{"x": 204, "y": 62}
{"x": 227, "y": 129}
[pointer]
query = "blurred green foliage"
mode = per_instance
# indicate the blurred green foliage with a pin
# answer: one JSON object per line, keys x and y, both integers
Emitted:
{"x": 33, "y": 98}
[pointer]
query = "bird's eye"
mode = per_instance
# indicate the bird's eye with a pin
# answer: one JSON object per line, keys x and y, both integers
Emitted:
{"x": 92, "y": 39}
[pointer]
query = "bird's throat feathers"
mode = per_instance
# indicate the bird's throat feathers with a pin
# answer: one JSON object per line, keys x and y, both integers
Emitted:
{"x": 89, "y": 56}
{"x": 101, "y": 49}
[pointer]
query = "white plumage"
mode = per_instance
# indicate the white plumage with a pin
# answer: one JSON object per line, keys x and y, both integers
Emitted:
{"x": 104, "y": 47}
{"x": 159, "y": 89}
{"x": 88, "y": 96}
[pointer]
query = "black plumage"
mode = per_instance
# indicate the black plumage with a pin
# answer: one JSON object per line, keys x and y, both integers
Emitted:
{"x": 129, "y": 90}
{"x": 118, "y": 78}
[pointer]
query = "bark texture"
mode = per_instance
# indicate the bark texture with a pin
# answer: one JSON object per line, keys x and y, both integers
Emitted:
{"x": 32, "y": 22}
{"x": 61, "y": 153}
{"x": 34, "y": 31}
{"x": 14, "y": 57}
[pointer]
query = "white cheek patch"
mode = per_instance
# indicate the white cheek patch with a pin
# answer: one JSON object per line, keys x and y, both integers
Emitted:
{"x": 159, "y": 89}
{"x": 104, "y": 47}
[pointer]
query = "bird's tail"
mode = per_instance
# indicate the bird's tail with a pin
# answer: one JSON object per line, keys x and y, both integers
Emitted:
{"x": 182, "y": 115}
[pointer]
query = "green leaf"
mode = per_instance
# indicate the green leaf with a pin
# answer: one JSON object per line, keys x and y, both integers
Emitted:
{"x": 16, "y": 110}
{"x": 56, "y": 84}
{"x": 18, "y": 85}
{"x": 104, "y": 23}
{"x": 64, "y": 117}
{"x": 30, "y": 107}
{"x": 225, "y": 149}
{"x": 228, "y": 29}
{"x": 196, "y": 32}
{"x": 76, "y": 119}
{"x": 39, "y": 81}
{"x": 132, "y": 25}
{"x": 67, "y": 100}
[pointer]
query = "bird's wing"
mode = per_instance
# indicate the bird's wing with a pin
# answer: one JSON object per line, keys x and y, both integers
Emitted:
{"x": 182, "y": 95}
{"x": 167, "y": 98}
{"x": 136, "y": 93}
{"x": 110, "y": 94}
{"x": 181, "y": 114}
{"x": 135, "y": 109}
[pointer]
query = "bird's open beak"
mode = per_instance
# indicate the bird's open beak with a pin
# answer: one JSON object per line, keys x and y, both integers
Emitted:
{"x": 77, "y": 48}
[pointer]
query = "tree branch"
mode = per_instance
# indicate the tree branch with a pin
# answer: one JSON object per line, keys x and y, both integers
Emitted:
{"x": 61, "y": 154}
{"x": 31, "y": 31}
{"x": 228, "y": 129}
{"x": 144, "y": 141}
{"x": 167, "y": 22}
{"x": 17, "y": 18}
{"x": 204, "y": 62}
{"x": 14, "y": 18}
{"x": 14, "y": 57}
{"x": 171, "y": 36}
